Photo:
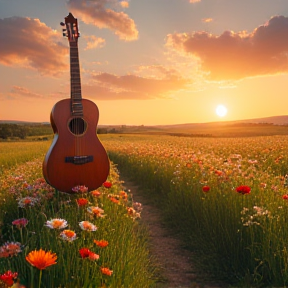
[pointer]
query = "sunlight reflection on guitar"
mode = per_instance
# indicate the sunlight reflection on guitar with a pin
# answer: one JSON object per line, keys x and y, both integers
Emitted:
{"x": 76, "y": 155}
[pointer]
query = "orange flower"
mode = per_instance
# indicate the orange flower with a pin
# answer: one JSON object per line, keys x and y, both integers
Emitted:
{"x": 96, "y": 211}
{"x": 218, "y": 172}
{"x": 95, "y": 193}
{"x": 101, "y": 243}
{"x": 68, "y": 235}
{"x": 88, "y": 226}
{"x": 114, "y": 200}
{"x": 106, "y": 271}
{"x": 130, "y": 211}
{"x": 41, "y": 259}
{"x": 56, "y": 223}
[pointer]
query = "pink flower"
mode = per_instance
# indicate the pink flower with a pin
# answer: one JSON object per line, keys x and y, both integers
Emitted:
{"x": 10, "y": 249}
{"x": 20, "y": 223}
{"x": 80, "y": 189}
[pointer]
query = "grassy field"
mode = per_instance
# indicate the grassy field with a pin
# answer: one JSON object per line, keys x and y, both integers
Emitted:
{"x": 89, "y": 239}
{"x": 227, "y": 197}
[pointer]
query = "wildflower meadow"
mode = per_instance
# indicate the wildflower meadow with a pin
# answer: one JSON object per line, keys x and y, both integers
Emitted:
{"x": 226, "y": 196}
{"x": 52, "y": 239}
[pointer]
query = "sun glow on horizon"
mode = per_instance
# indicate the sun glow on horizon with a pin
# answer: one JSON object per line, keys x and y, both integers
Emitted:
{"x": 221, "y": 110}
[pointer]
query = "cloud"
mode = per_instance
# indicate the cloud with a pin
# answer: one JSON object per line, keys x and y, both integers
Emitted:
{"x": 94, "y": 42}
{"x": 21, "y": 93}
{"x": 98, "y": 14}
{"x": 124, "y": 4}
{"x": 30, "y": 43}
{"x": 107, "y": 86}
{"x": 207, "y": 20}
{"x": 233, "y": 56}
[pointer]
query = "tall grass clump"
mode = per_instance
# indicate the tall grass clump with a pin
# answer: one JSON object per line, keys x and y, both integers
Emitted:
{"x": 228, "y": 198}
{"x": 52, "y": 239}
{"x": 14, "y": 153}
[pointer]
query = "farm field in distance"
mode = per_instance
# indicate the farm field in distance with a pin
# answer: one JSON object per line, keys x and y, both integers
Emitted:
{"x": 227, "y": 197}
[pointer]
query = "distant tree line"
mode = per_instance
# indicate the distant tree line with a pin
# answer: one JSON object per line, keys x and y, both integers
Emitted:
{"x": 21, "y": 131}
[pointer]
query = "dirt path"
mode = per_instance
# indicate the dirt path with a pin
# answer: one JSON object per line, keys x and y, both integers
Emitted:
{"x": 176, "y": 263}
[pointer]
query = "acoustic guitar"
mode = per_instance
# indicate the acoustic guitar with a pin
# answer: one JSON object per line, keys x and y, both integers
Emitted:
{"x": 76, "y": 156}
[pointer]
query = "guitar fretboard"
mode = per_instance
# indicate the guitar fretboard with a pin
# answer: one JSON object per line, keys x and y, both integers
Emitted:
{"x": 76, "y": 97}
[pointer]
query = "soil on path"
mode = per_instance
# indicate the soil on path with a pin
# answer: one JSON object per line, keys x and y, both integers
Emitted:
{"x": 175, "y": 262}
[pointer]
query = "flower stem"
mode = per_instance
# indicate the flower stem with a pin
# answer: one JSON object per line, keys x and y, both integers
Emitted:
{"x": 40, "y": 276}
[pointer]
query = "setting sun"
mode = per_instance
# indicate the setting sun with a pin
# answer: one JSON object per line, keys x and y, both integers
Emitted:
{"x": 221, "y": 110}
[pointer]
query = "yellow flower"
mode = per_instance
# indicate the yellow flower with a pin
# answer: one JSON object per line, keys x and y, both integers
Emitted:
{"x": 41, "y": 259}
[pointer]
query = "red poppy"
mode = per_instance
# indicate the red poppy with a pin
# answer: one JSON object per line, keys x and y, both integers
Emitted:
{"x": 243, "y": 189}
{"x": 285, "y": 197}
{"x": 107, "y": 184}
{"x": 84, "y": 252}
{"x": 205, "y": 188}
{"x": 82, "y": 201}
{"x": 8, "y": 277}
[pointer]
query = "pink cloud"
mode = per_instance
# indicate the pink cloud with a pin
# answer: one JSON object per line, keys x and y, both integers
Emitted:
{"x": 233, "y": 56}
{"x": 108, "y": 86}
{"x": 98, "y": 14}
{"x": 30, "y": 43}
{"x": 94, "y": 42}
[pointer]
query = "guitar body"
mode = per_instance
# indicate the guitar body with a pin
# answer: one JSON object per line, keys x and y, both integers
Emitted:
{"x": 76, "y": 155}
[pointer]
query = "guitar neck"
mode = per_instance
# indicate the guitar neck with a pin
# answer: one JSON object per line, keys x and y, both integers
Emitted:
{"x": 76, "y": 97}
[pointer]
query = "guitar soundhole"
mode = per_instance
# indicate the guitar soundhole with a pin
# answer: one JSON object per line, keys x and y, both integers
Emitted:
{"x": 77, "y": 126}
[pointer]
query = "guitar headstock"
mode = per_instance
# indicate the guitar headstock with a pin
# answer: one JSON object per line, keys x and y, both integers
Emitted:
{"x": 71, "y": 30}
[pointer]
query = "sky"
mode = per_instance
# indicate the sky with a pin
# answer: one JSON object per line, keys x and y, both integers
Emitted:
{"x": 147, "y": 62}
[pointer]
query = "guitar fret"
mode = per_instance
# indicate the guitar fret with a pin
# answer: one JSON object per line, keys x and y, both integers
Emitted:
{"x": 76, "y": 98}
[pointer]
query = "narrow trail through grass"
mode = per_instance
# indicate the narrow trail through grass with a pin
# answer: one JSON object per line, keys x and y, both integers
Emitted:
{"x": 176, "y": 268}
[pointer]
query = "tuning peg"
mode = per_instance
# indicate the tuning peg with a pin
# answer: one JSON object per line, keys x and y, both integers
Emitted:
{"x": 65, "y": 35}
{"x": 62, "y": 24}
{"x": 64, "y": 30}
{"x": 79, "y": 34}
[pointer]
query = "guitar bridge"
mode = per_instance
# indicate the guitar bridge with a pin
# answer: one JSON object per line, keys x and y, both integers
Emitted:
{"x": 78, "y": 160}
